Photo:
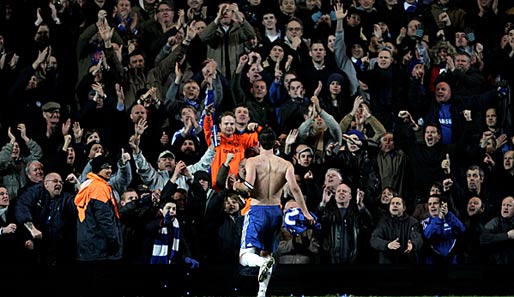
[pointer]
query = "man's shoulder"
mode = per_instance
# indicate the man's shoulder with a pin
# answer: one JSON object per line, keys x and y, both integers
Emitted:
{"x": 283, "y": 163}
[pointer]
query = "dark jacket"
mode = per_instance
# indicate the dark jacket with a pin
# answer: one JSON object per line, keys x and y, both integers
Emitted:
{"x": 134, "y": 217}
{"x": 360, "y": 170}
{"x": 99, "y": 233}
{"x": 151, "y": 233}
{"x": 405, "y": 228}
{"x": 224, "y": 230}
{"x": 469, "y": 249}
{"x": 54, "y": 217}
{"x": 12, "y": 244}
{"x": 495, "y": 240}
{"x": 354, "y": 226}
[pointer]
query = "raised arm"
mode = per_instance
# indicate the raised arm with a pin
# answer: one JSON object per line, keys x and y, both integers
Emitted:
{"x": 296, "y": 191}
{"x": 342, "y": 60}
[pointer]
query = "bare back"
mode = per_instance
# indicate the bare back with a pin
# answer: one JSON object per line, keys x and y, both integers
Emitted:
{"x": 270, "y": 178}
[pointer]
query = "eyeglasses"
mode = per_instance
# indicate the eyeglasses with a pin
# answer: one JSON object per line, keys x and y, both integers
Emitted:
{"x": 296, "y": 29}
{"x": 165, "y": 10}
{"x": 55, "y": 181}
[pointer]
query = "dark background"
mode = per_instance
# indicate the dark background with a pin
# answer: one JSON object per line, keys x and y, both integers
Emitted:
{"x": 287, "y": 280}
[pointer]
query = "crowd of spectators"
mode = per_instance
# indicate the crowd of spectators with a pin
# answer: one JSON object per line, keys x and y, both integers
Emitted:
{"x": 124, "y": 125}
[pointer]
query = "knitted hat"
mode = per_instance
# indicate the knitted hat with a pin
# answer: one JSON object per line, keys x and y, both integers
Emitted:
{"x": 413, "y": 64}
{"x": 89, "y": 146}
{"x": 336, "y": 77}
{"x": 98, "y": 163}
{"x": 200, "y": 174}
{"x": 358, "y": 133}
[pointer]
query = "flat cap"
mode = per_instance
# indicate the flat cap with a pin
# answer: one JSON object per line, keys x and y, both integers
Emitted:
{"x": 49, "y": 106}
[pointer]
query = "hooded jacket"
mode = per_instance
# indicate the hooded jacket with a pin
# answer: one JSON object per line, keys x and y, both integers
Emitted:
{"x": 99, "y": 233}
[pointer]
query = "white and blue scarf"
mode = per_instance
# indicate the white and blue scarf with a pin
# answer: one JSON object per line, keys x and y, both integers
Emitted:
{"x": 161, "y": 253}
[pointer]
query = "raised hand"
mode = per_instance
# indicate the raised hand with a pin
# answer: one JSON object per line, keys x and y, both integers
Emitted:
{"x": 289, "y": 61}
{"x": 377, "y": 31}
{"x": 356, "y": 105}
{"x": 252, "y": 126}
{"x": 102, "y": 14}
{"x": 489, "y": 160}
{"x": 11, "y": 136}
{"x": 134, "y": 143}
{"x": 125, "y": 157}
{"x": 140, "y": 127}
{"x": 72, "y": 179}
{"x": 67, "y": 141}
{"x": 443, "y": 211}
{"x": 315, "y": 103}
{"x": 327, "y": 195}
{"x": 340, "y": 11}
{"x": 23, "y": 131}
{"x": 360, "y": 198}
{"x": 65, "y": 129}
{"x": 191, "y": 31}
{"x": 318, "y": 89}
{"x": 41, "y": 58}
{"x": 221, "y": 12}
{"x": 445, "y": 164}
{"x": 105, "y": 30}
{"x": 237, "y": 16}
{"x": 447, "y": 184}
{"x": 501, "y": 140}
{"x": 77, "y": 131}
{"x": 291, "y": 137}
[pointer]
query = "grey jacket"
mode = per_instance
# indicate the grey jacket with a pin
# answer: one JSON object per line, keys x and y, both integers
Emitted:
{"x": 12, "y": 172}
{"x": 157, "y": 179}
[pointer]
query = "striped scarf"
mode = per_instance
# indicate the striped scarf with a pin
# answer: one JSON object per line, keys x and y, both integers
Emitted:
{"x": 161, "y": 253}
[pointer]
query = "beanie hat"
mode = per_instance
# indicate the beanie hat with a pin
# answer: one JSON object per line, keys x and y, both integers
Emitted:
{"x": 201, "y": 174}
{"x": 358, "y": 133}
{"x": 89, "y": 146}
{"x": 413, "y": 64}
{"x": 336, "y": 77}
{"x": 98, "y": 163}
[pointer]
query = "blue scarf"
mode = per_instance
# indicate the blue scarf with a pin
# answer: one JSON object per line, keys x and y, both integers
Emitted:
{"x": 161, "y": 253}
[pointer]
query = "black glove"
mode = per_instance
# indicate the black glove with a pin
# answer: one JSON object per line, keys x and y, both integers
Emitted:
{"x": 145, "y": 200}
{"x": 112, "y": 247}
